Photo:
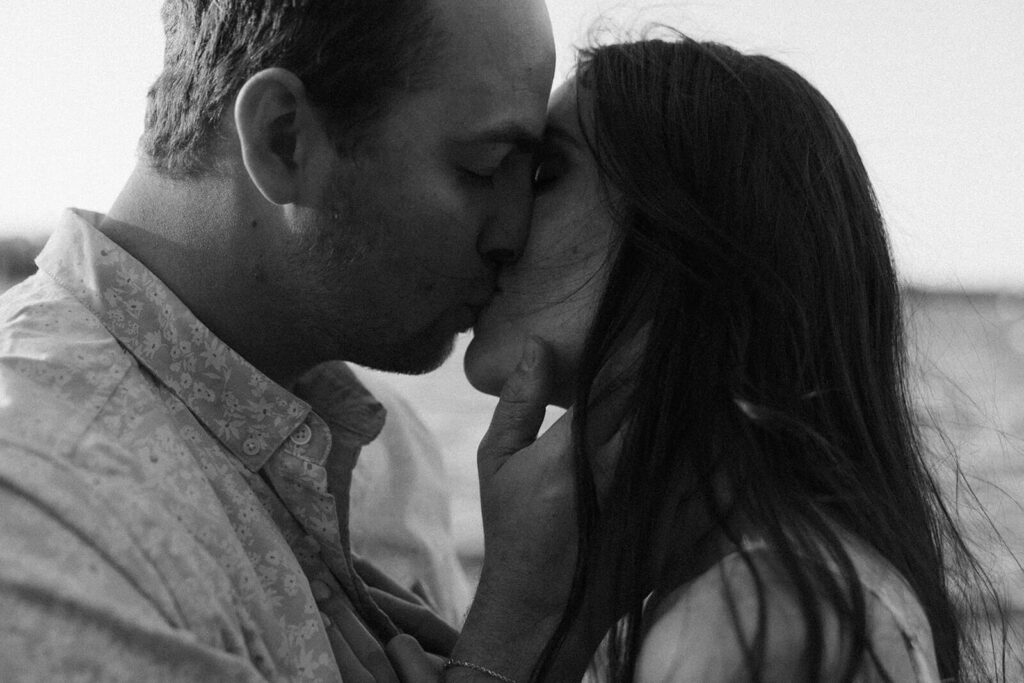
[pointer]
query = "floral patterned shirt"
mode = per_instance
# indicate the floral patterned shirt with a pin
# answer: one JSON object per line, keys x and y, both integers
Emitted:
{"x": 168, "y": 512}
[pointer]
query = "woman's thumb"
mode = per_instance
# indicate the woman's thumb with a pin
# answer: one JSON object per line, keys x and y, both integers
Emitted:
{"x": 520, "y": 409}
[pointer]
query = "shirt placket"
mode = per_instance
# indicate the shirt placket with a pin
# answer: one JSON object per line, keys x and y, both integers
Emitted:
{"x": 298, "y": 474}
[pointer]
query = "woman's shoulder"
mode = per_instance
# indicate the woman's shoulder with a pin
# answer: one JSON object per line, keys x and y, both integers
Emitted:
{"x": 704, "y": 629}
{"x": 897, "y": 622}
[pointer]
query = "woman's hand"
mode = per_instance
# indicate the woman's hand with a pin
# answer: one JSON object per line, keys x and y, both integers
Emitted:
{"x": 529, "y": 519}
{"x": 527, "y": 491}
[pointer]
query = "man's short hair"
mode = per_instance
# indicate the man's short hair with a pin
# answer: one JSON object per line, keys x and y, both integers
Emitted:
{"x": 353, "y": 56}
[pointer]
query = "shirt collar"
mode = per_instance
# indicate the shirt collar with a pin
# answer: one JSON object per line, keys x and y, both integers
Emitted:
{"x": 249, "y": 413}
{"x": 351, "y": 412}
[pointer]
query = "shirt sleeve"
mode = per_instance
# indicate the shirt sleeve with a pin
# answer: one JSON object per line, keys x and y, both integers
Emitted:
{"x": 72, "y": 612}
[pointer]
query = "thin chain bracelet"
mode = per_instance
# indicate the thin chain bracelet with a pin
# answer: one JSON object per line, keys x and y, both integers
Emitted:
{"x": 452, "y": 663}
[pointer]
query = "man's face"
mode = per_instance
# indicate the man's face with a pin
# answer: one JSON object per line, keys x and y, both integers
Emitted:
{"x": 437, "y": 197}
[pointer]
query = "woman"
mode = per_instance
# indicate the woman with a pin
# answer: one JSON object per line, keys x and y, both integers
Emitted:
{"x": 703, "y": 221}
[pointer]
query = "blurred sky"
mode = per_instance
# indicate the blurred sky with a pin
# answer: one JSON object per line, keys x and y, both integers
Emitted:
{"x": 933, "y": 91}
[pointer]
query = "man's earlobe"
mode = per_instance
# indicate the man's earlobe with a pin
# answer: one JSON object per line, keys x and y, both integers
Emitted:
{"x": 269, "y": 122}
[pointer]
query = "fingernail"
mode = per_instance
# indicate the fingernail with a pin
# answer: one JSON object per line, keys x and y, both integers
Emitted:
{"x": 531, "y": 352}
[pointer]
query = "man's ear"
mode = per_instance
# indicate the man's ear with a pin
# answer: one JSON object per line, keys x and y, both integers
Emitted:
{"x": 279, "y": 134}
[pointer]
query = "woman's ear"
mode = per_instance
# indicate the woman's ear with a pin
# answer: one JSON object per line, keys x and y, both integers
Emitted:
{"x": 279, "y": 134}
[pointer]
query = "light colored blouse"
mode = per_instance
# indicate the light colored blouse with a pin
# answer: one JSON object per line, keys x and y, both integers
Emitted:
{"x": 694, "y": 635}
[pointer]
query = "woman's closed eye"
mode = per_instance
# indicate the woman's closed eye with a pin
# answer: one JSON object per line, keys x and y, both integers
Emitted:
{"x": 546, "y": 171}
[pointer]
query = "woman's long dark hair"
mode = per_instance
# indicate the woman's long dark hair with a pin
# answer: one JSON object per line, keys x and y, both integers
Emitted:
{"x": 753, "y": 249}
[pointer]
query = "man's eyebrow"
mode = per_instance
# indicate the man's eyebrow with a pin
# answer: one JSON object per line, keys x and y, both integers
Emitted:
{"x": 513, "y": 134}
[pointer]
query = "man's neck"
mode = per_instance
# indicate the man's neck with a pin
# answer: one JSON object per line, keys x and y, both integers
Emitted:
{"x": 201, "y": 238}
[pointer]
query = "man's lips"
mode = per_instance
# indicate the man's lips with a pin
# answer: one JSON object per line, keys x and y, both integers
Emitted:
{"x": 478, "y": 304}
{"x": 470, "y": 313}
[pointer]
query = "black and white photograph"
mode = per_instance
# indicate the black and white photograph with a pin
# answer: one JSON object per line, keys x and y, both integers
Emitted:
{"x": 516, "y": 341}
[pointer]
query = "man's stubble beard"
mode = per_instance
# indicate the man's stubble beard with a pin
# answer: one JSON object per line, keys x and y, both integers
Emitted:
{"x": 347, "y": 331}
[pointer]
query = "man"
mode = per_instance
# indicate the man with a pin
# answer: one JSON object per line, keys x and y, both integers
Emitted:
{"x": 319, "y": 181}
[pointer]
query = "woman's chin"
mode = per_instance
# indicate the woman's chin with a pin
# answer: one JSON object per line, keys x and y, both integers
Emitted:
{"x": 488, "y": 365}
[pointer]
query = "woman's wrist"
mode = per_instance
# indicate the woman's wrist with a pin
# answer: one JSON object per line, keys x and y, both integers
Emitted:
{"x": 501, "y": 635}
{"x": 470, "y": 671}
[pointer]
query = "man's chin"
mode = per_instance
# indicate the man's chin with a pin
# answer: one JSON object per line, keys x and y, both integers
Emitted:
{"x": 415, "y": 358}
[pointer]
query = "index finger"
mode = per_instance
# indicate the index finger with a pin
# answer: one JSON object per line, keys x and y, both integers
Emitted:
{"x": 520, "y": 410}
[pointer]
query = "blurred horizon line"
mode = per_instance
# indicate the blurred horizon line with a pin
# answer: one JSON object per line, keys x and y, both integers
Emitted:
{"x": 18, "y": 248}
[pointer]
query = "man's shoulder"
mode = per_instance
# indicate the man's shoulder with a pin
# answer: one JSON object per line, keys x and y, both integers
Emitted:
{"x": 40, "y": 309}
{"x": 58, "y": 365}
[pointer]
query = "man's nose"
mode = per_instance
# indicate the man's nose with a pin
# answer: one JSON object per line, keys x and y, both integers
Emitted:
{"x": 504, "y": 237}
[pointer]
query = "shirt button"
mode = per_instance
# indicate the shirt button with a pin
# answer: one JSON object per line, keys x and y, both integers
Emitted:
{"x": 251, "y": 446}
{"x": 302, "y": 435}
{"x": 320, "y": 590}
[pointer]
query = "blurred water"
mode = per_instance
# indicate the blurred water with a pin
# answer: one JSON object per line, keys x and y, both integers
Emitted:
{"x": 458, "y": 416}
